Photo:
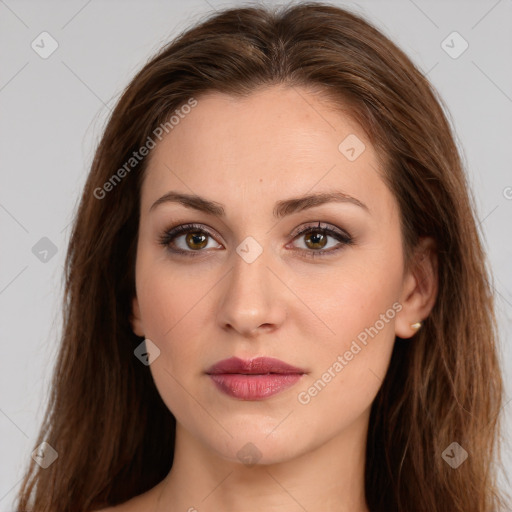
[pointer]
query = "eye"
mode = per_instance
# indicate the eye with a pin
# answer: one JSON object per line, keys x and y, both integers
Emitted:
{"x": 186, "y": 238}
{"x": 316, "y": 241}
{"x": 191, "y": 239}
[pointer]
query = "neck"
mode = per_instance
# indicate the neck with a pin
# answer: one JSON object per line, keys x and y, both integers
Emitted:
{"x": 329, "y": 477}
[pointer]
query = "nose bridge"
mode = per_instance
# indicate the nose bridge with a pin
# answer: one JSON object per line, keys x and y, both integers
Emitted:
{"x": 251, "y": 296}
{"x": 250, "y": 266}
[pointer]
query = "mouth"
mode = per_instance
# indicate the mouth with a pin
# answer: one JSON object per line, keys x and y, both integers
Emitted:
{"x": 255, "y": 379}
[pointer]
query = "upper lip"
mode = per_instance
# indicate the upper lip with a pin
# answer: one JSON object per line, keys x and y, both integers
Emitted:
{"x": 256, "y": 366}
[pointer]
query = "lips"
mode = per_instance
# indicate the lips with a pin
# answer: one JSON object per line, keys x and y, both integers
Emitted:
{"x": 254, "y": 379}
{"x": 257, "y": 366}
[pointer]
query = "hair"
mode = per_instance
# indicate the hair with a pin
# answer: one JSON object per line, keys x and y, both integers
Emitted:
{"x": 105, "y": 418}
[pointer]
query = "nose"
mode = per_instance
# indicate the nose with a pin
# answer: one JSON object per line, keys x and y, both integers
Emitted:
{"x": 253, "y": 298}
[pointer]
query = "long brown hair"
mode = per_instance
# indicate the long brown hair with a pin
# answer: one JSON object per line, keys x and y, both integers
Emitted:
{"x": 105, "y": 418}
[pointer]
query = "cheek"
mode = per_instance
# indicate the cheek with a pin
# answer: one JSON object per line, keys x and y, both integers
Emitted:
{"x": 354, "y": 297}
{"x": 172, "y": 304}
{"x": 172, "y": 307}
{"x": 351, "y": 361}
{"x": 347, "y": 374}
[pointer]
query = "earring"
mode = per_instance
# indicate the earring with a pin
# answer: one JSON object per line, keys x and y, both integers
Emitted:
{"x": 416, "y": 326}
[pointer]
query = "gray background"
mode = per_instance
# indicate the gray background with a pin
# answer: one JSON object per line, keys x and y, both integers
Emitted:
{"x": 53, "y": 111}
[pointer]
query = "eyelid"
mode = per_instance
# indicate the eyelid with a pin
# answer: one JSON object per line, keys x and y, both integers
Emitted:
{"x": 181, "y": 229}
{"x": 344, "y": 238}
{"x": 320, "y": 226}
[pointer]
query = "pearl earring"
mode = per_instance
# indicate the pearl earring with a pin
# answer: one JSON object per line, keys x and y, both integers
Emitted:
{"x": 416, "y": 326}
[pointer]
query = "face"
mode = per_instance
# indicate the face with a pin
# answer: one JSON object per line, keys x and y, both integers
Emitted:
{"x": 318, "y": 285}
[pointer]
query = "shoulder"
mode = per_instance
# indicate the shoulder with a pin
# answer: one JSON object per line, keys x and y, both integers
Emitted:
{"x": 133, "y": 505}
{"x": 137, "y": 504}
{"x": 140, "y": 503}
{"x": 129, "y": 506}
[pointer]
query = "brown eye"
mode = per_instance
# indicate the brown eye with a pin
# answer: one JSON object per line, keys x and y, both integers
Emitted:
{"x": 196, "y": 240}
{"x": 189, "y": 239}
{"x": 315, "y": 240}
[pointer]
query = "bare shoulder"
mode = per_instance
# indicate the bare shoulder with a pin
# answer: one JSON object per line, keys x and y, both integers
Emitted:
{"x": 140, "y": 503}
{"x": 133, "y": 505}
{"x": 124, "y": 507}
{"x": 128, "y": 506}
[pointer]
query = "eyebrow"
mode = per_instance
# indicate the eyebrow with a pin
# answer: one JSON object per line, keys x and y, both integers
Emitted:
{"x": 282, "y": 208}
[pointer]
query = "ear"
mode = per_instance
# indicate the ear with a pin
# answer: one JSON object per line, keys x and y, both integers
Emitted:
{"x": 135, "y": 319}
{"x": 419, "y": 289}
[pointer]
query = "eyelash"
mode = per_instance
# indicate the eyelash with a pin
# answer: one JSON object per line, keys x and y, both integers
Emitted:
{"x": 345, "y": 238}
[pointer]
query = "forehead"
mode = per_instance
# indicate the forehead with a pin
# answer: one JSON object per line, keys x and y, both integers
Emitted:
{"x": 277, "y": 142}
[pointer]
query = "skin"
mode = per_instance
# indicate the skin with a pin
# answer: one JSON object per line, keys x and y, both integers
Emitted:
{"x": 247, "y": 154}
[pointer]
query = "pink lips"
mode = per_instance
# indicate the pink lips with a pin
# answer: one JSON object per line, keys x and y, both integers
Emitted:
{"x": 255, "y": 379}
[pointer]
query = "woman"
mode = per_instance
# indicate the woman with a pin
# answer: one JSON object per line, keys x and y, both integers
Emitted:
{"x": 276, "y": 295}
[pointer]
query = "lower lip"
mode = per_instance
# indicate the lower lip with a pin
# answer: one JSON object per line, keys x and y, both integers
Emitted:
{"x": 254, "y": 387}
